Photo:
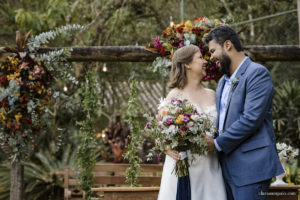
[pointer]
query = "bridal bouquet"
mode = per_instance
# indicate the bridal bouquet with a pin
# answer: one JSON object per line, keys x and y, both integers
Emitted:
{"x": 178, "y": 126}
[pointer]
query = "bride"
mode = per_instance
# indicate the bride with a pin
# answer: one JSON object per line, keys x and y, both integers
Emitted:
{"x": 206, "y": 181}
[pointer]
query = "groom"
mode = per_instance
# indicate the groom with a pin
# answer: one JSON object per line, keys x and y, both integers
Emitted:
{"x": 246, "y": 142}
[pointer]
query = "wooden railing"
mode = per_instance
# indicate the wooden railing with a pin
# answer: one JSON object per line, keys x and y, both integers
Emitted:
{"x": 107, "y": 175}
{"x": 110, "y": 174}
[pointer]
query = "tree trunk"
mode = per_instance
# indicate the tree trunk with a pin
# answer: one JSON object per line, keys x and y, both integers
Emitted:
{"x": 16, "y": 181}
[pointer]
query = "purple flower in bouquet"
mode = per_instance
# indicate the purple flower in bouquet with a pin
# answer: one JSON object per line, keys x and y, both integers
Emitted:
{"x": 182, "y": 128}
{"x": 179, "y": 101}
{"x": 172, "y": 100}
{"x": 187, "y": 114}
{"x": 148, "y": 125}
{"x": 158, "y": 156}
{"x": 185, "y": 119}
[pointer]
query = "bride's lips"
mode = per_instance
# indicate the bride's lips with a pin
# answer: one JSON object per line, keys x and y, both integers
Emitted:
{"x": 218, "y": 63}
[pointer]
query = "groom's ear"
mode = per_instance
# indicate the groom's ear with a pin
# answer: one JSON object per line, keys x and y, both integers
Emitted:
{"x": 228, "y": 45}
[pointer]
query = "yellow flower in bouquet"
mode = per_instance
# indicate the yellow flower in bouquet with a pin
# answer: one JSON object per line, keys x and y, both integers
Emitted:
{"x": 179, "y": 119}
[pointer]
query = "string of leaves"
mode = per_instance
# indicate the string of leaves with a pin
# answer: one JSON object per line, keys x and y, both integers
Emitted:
{"x": 87, "y": 153}
{"x": 135, "y": 137}
{"x": 44, "y": 38}
{"x": 55, "y": 60}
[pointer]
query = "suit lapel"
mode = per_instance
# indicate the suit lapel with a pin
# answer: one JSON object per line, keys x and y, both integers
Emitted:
{"x": 238, "y": 75}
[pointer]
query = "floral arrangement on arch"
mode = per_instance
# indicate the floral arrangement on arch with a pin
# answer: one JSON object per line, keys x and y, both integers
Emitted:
{"x": 176, "y": 36}
{"x": 25, "y": 89}
{"x": 24, "y": 92}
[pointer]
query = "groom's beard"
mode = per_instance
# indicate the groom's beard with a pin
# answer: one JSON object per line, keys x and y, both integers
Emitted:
{"x": 225, "y": 62}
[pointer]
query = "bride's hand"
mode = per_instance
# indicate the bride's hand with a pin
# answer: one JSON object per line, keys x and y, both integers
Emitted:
{"x": 173, "y": 154}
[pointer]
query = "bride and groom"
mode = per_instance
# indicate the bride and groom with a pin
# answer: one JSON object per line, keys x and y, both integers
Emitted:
{"x": 242, "y": 159}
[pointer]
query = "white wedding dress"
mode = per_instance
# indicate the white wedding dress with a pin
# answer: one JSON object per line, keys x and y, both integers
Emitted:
{"x": 205, "y": 175}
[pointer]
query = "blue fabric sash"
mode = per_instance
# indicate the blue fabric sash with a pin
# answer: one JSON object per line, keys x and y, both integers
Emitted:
{"x": 183, "y": 188}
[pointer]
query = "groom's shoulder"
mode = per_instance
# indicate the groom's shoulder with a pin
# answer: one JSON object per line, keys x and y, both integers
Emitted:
{"x": 255, "y": 68}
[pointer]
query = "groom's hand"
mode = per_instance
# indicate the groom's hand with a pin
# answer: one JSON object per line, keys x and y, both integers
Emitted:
{"x": 210, "y": 143}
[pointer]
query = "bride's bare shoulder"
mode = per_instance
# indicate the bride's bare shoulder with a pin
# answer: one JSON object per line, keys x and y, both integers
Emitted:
{"x": 173, "y": 93}
{"x": 210, "y": 92}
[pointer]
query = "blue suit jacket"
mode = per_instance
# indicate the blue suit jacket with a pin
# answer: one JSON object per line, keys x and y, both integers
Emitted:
{"x": 248, "y": 141}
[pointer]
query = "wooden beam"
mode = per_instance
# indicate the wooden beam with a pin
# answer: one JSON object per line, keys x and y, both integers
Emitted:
{"x": 141, "y": 54}
{"x": 109, "y": 54}
{"x": 273, "y": 52}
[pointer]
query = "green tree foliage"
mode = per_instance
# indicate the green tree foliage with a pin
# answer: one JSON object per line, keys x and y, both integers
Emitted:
{"x": 286, "y": 113}
{"x": 42, "y": 180}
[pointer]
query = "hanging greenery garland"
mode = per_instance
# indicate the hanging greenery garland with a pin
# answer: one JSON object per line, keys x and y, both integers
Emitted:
{"x": 87, "y": 153}
{"x": 135, "y": 137}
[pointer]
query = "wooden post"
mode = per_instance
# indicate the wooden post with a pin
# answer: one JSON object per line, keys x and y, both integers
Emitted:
{"x": 16, "y": 181}
{"x": 298, "y": 8}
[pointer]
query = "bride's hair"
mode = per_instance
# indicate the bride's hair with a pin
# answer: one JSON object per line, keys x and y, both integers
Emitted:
{"x": 182, "y": 56}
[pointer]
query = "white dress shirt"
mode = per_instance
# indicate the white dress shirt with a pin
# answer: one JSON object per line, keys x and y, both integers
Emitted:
{"x": 224, "y": 100}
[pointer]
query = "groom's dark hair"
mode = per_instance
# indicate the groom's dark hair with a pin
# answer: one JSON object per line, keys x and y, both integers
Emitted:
{"x": 222, "y": 33}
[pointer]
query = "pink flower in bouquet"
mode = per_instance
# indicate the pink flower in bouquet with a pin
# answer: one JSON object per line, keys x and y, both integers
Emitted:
{"x": 181, "y": 44}
{"x": 169, "y": 121}
{"x": 161, "y": 124}
{"x": 190, "y": 124}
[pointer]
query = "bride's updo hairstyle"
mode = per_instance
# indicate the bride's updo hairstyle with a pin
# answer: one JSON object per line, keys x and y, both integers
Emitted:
{"x": 182, "y": 56}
